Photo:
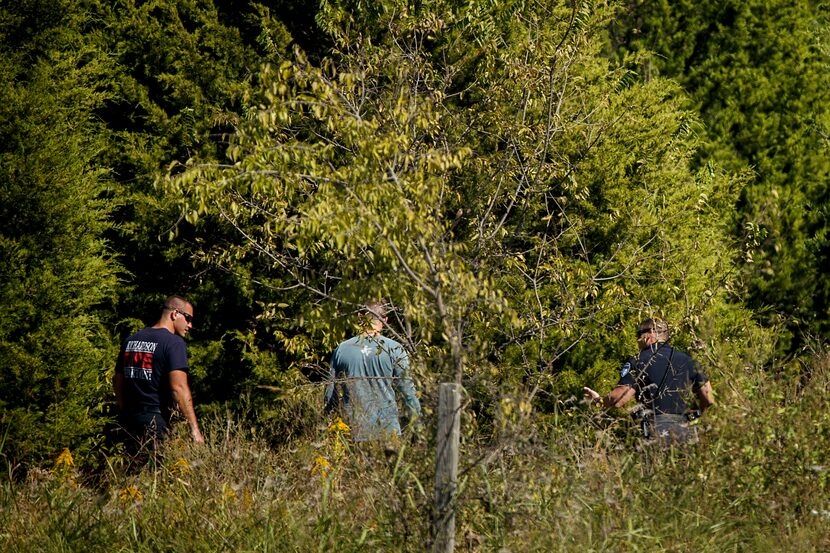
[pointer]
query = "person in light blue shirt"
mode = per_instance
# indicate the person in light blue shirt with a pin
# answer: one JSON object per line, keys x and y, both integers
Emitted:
{"x": 366, "y": 371}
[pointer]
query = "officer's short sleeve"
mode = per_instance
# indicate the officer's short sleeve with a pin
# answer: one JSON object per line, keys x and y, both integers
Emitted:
{"x": 697, "y": 376}
{"x": 177, "y": 355}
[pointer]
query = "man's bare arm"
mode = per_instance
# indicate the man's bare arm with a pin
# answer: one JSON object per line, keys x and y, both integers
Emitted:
{"x": 705, "y": 396}
{"x": 617, "y": 397}
{"x": 181, "y": 395}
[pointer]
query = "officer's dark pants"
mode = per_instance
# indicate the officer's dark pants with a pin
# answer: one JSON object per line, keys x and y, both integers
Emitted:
{"x": 145, "y": 431}
{"x": 668, "y": 429}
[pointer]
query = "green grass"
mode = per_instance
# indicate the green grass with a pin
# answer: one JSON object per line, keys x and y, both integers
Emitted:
{"x": 757, "y": 481}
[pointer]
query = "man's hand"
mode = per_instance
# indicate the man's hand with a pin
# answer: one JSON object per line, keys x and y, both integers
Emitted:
{"x": 590, "y": 395}
{"x": 705, "y": 396}
{"x": 196, "y": 434}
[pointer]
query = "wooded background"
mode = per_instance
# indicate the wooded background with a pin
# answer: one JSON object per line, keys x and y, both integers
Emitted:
{"x": 523, "y": 182}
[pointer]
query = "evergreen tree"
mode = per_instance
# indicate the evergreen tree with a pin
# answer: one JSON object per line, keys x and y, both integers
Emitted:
{"x": 759, "y": 73}
{"x": 56, "y": 272}
{"x": 169, "y": 84}
{"x": 182, "y": 71}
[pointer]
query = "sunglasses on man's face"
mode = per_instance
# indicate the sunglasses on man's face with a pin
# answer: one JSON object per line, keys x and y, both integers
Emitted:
{"x": 642, "y": 331}
{"x": 187, "y": 316}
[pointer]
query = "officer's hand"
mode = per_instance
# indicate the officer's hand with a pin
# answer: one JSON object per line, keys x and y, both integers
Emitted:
{"x": 590, "y": 394}
{"x": 197, "y": 436}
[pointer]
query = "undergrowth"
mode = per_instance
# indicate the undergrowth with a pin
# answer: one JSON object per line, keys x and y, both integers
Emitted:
{"x": 576, "y": 480}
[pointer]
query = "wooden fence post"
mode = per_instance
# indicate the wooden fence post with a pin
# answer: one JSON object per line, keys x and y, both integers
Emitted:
{"x": 446, "y": 467}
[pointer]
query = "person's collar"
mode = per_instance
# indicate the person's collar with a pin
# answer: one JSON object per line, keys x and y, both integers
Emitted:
{"x": 657, "y": 345}
{"x": 160, "y": 325}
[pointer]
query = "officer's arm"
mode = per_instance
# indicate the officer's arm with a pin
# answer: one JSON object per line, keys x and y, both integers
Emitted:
{"x": 619, "y": 396}
{"x": 705, "y": 396}
{"x": 404, "y": 385}
{"x": 182, "y": 396}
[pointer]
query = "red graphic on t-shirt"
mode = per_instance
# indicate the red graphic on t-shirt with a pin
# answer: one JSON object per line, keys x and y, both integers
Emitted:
{"x": 138, "y": 360}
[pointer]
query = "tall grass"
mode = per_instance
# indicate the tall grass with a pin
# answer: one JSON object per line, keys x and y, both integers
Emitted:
{"x": 757, "y": 481}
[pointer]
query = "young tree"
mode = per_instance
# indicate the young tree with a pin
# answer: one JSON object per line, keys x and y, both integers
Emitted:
{"x": 486, "y": 168}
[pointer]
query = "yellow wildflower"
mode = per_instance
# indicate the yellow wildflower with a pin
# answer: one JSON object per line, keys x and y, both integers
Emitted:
{"x": 321, "y": 466}
{"x": 65, "y": 460}
{"x": 65, "y": 468}
{"x": 229, "y": 493}
{"x": 181, "y": 467}
{"x": 130, "y": 493}
{"x": 247, "y": 498}
{"x": 339, "y": 427}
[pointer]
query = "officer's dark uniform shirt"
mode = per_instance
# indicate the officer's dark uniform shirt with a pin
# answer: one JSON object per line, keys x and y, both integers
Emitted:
{"x": 660, "y": 375}
{"x": 146, "y": 360}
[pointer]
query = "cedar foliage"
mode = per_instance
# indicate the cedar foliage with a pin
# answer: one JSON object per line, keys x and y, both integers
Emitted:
{"x": 56, "y": 271}
{"x": 759, "y": 75}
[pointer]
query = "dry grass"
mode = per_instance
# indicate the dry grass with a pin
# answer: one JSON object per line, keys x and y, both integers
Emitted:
{"x": 757, "y": 481}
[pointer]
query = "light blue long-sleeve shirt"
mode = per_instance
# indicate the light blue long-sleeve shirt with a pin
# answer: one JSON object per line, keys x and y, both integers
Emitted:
{"x": 365, "y": 373}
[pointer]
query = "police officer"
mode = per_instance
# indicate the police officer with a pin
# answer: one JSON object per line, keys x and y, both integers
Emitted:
{"x": 658, "y": 377}
{"x": 150, "y": 380}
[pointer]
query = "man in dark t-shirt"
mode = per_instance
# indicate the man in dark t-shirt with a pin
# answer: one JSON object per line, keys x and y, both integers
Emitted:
{"x": 150, "y": 379}
{"x": 659, "y": 377}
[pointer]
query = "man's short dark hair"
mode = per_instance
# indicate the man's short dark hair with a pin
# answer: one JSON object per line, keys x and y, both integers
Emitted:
{"x": 175, "y": 303}
{"x": 660, "y": 327}
{"x": 375, "y": 308}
